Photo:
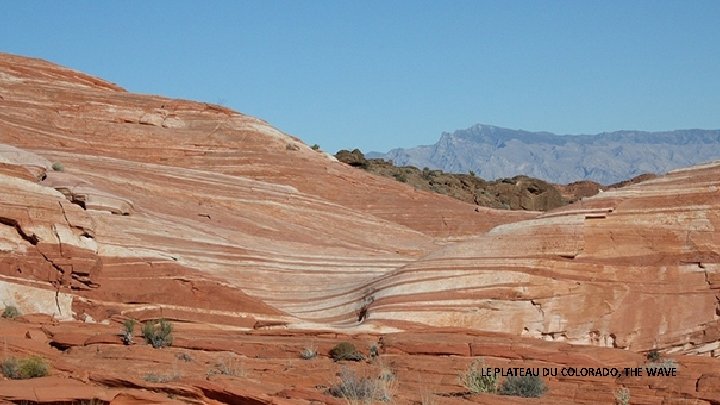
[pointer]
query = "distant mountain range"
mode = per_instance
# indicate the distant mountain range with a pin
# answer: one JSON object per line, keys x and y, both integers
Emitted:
{"x": 495, "y": 152}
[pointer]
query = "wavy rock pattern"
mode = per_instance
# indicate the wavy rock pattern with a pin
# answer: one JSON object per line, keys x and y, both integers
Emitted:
{"x": 168, "y": 205}
{"x": 634, "y": 268}
{"x": 230, "y": 228}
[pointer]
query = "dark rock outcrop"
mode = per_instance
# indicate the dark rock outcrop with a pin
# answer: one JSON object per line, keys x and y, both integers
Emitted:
{"x": 517, "y": 193}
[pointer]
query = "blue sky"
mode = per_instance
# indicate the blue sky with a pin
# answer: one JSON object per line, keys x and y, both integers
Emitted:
{"x": 384, "y": 74}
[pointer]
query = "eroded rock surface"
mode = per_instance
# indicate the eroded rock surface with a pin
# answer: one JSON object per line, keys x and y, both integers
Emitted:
{"x": 117, "y": 206}
{"x": 633, "y": 268}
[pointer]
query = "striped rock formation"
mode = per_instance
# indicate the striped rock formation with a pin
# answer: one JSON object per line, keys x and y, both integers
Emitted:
{"x": 634, "y": 268}
{"x": 194, "y": 210}
{"x": 117, "y": 205}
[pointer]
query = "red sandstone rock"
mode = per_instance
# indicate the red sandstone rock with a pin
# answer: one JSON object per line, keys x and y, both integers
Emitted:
{"x": 256, "y": 251}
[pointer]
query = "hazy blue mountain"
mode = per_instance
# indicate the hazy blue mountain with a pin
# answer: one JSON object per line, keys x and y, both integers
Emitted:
{"x": 494, "y": 152}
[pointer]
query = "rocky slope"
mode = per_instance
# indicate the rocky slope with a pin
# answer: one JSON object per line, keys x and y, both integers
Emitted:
{"x": 494, "y": 152}
{"x": 517, "y": 193}
{"x": 118, "y": 206}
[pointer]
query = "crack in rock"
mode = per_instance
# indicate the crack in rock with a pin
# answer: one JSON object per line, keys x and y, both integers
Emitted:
{"x": 30, "y": 238}
{"x": 33, "y": 240}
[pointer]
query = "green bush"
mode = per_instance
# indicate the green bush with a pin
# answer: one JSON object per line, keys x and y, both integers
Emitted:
{"x": 528, "y": 386}
{"x": 476, "y": 381}
{"x": 24, "y": 369}
{"x": 58, "y": 167}
{"x": 315, "y": 147}
{"x": 128, "y": 331}
{"x": 345, "y": 351}
{"x": 33, "y": 366}
{"x": 10, "y": 312}
{"x": 158, "y": 333}
{"x": 400, "y": 177}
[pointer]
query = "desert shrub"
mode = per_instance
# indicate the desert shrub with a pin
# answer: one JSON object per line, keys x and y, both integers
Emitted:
{"x": 353, "y": 387}
{"x": 400, "y": 177}
{"x": 58, "y": 167}
{"x": 129, "y": 325}
{"x": 128, "y": 331}
{"x": 9, "y": 368}
{"x": 476, "y": 381}
{"x": 309, "y": 353}
{"x": 184, "y": 357}
{"x": 345, "y": 351}
{"x": 315, "y": 147}
{"x": 374, "y": 350}
{"x": 10, "y": 312}
{"x": 161, "y": 378}
{"x": 363, "y": 389}
{"x": 653, "y": 356}
{"x": 386, "y": 374}
{"x": 527, "y": 386}
{"x": 158, "y": 333}
{"x": 664, "y": 364}
{"x": 228, "y": 366}
{"x": 622, "y": 396}
{"x": 656, "y": 361}
{"x": 24, "y": 369}
{"x": 33, "y": 366}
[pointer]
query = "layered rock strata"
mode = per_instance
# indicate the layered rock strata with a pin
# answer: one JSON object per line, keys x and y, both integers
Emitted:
{"x": 117, "y": 206}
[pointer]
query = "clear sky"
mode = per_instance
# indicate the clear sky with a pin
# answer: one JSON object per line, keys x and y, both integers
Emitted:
{"x": 383, "y": 74}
